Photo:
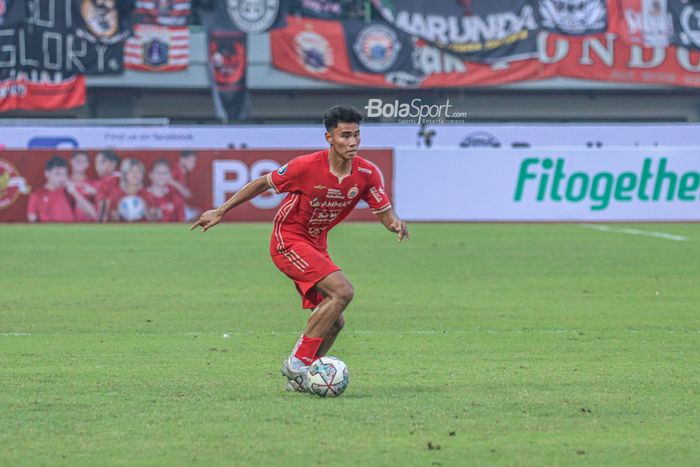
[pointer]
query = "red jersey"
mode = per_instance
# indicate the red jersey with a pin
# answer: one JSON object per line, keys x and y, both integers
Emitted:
{"x": 318, "y": 200}
{"x": 51, "y": 206}
{"x": 132, "y": 210}
{"x": 168, "y": 208}
{"x": 87, "y": 188}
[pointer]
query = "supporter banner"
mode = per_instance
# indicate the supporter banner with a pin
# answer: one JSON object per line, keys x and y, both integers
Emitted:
{"x": 316, "y": 49}
{"x": 379, "y": 48}
{"x": 573, "y": 17}
{"x": 249, "y": 16}
{"x": 480, "y": 31}
{"x": 548, "y": 185}
{"x": 64, "y": 36}
{"x": 227, "y": 64}
{"x": 12, "y": 13}
{"x": 686, "y": 23}
{"x": 64, "y": 186}
{"x": 30, "y": 91}
{"x": 374, "y": 135}
{"x": 646, "y": 22}
{"x": 158, "y": 48}
{"x": 162, "y": 12}
{"x": 325, "y": 9}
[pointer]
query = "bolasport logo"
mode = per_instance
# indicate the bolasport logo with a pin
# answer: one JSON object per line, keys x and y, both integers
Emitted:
{"x": 414, "y": 111}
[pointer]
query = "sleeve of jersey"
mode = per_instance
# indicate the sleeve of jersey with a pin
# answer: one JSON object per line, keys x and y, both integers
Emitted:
{"x": 286, "y": 178}
{"x": 375, "y": 196}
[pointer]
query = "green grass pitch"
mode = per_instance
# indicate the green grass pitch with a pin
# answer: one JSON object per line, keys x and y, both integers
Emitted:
{"x": 468, "y": 345}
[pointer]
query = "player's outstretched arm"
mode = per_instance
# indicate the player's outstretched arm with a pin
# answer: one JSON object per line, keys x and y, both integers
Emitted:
{"x": 391, "y": 222}
{"x": 212, "y": 217}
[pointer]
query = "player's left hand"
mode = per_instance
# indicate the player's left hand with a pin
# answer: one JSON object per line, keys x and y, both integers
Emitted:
{"x": 400, "y": 227}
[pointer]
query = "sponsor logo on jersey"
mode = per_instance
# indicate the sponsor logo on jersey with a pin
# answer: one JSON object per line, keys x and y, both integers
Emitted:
{"x": 377, "y": 47}
{"x": 352, "y": 192}
{"x": 253, "y": 16}
{"x": 377, "y": 193}
{"x": 282, "y": 169}
{"x": 315, "y": 203}
{"x": 334, "y": 193}
{"x": 320, "y": 187}
{"x": 335, "y": 204}
{"x": 12, "y": 184}
{"x": 367, "y": 171}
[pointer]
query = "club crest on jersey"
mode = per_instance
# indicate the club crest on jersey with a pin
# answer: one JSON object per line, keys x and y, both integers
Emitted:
{"x": 352, "y": 192}
{"x": 282, "y": 169}
{"x": 315, "y": 203}
{"x": 12, "y": 184}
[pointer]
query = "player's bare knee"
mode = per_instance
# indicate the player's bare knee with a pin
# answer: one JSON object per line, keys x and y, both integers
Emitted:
{"x": 345, "y": 294}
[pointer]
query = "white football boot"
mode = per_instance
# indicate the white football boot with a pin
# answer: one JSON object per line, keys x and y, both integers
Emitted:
{"x": 297, "y": 376}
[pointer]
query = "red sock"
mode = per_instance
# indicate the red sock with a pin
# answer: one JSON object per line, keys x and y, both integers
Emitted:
{"x": 306, "y": 348}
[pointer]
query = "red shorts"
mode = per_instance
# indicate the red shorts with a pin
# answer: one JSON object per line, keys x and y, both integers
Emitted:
{"x": 306, "y": 266}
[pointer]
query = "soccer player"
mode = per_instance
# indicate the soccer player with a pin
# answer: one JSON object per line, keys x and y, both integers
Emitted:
{"x": 55, "y": 202}
{"x": 323, "y": 187}
{"x": 164, "y": 203}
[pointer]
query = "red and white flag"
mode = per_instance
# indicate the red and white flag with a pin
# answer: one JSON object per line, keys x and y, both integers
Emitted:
{"x": 158, "y": 48}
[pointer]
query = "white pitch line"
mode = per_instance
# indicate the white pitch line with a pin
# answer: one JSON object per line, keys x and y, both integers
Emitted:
{"x": 642, "y": 233}
{"x": 13, "y": 334}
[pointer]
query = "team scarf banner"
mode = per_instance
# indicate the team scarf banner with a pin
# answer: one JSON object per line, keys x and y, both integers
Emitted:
{"x": 328, "y": 51}
{"x": 217, "y": 175}
{"x": 162, "y": 12}
{"x": 158, "y": 48}
{"x": 227, "y": 72}
{"x": 247, "y": 16}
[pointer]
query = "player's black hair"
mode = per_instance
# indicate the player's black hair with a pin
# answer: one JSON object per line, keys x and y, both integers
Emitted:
{"x": 340, "y": 114}
{"x": 186, "y": 154}
{"x": 78, "y": 153}
{"x": 111, "y": 156}
{"x": 56, "y": 161}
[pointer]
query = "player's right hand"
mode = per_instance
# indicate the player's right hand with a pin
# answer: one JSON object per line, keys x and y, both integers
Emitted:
{"x": 208, "y": 220}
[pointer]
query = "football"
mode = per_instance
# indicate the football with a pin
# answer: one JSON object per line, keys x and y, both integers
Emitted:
{"x": 132, "y": 208}
{"x": 328, "y": 377}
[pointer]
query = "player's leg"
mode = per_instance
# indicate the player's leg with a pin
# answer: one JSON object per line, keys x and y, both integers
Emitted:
{"x": 322, "y": 327}
{"x": 339, "y": 293}
{"x": 329, "y": 338}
